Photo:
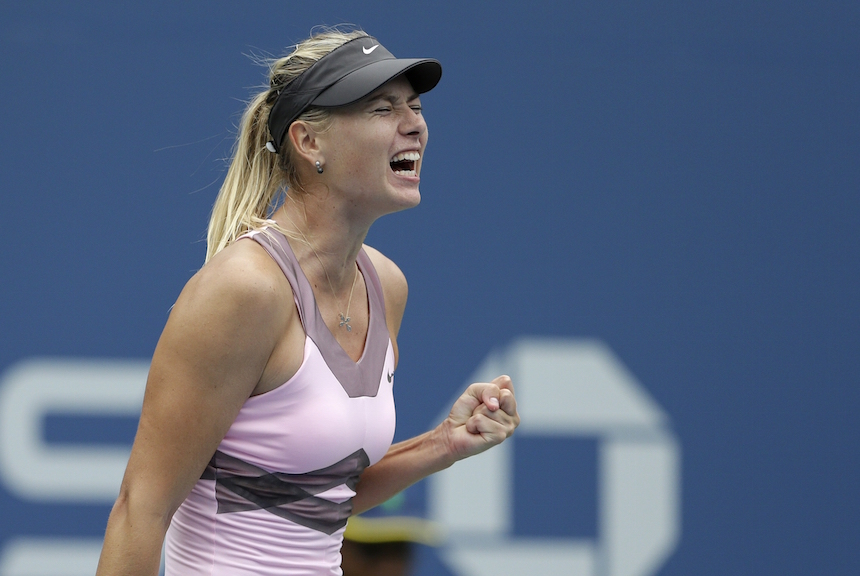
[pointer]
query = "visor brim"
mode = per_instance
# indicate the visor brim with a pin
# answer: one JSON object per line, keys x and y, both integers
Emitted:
{"x": 422, "y": 73}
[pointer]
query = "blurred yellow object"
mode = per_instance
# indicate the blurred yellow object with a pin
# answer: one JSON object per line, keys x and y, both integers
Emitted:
{"x": 393, "y": 529}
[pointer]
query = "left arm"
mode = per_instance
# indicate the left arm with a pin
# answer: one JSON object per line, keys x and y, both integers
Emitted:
{"x": 482, "y": 417}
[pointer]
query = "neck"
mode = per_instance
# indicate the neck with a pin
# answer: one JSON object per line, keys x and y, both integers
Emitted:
{"x": 325, "y": 241}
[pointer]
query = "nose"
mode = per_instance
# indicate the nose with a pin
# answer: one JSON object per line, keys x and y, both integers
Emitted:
{"x": 413, "y": 123}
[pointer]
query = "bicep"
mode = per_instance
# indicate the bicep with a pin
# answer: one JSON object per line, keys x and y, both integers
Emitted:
{"x": 208, "y": 360}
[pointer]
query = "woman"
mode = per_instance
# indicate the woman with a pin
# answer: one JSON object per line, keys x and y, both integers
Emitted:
{"x": 268, "y": 415}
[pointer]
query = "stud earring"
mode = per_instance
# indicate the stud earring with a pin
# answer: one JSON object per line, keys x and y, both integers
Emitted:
{"x": 319, "y": 167}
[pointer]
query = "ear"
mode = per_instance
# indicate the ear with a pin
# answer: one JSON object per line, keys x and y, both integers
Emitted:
{"x": 304, "y": 140}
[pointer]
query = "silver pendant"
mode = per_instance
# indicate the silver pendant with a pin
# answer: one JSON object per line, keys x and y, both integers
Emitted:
{"x": 345, "y": 322}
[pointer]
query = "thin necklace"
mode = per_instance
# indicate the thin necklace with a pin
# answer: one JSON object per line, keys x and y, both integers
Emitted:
{"x": 344, "y": 319}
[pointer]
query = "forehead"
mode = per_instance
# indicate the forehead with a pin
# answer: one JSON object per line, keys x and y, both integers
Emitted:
{"x": 398, "y": 87}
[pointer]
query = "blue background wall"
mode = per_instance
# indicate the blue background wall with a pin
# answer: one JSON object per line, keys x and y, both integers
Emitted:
{"x": 678, "y": 179}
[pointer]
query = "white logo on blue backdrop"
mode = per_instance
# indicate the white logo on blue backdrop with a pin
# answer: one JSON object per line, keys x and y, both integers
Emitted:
{"x": 567, "y": 388}
{"x": 40, "y": 472}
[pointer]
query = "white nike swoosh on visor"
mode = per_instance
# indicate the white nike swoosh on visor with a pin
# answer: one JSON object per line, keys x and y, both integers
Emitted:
{"x": 369, "y": 50}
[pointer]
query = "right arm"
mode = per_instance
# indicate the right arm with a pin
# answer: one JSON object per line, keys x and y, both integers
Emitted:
{"x": 209, "y": 359}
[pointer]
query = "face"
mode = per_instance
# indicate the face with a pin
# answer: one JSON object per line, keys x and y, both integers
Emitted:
{"x": 374, "y": 148}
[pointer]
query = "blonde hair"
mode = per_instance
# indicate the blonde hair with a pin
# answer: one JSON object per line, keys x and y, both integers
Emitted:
{"x": 257, "y": 178}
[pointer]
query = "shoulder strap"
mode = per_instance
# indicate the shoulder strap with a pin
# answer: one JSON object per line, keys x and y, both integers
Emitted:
{"x": 360, "y": 378}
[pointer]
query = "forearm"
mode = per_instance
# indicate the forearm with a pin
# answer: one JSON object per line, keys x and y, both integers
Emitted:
{"x": 482, "y": 417}
{"x": 132, "y": 544}
{"x": 405, "y": 463}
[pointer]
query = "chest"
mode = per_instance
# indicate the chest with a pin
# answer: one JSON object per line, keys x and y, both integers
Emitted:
{"x": 312, "y": 420}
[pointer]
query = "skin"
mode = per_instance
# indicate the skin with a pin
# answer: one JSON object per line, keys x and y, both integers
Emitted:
{"x": 230, "y": 335}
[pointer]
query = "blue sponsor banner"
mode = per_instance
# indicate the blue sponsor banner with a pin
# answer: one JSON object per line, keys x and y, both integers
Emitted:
{"x": 666, "y": 193}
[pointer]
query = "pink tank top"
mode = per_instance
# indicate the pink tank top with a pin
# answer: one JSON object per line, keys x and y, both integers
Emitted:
{"x": 276, "y": 495}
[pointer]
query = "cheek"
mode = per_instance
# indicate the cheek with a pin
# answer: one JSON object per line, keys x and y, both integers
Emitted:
{"x": 366, "y": 142}
{"x": 351, "y": 151}
{"x": 363, "y": 149}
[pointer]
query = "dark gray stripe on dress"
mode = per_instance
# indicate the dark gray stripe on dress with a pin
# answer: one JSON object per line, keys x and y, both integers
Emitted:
{"x": 240, "y": 486}
{"x": 360, "y": 378}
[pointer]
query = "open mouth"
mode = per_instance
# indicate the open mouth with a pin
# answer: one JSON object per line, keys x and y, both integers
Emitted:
{"x": 403, "y": 164}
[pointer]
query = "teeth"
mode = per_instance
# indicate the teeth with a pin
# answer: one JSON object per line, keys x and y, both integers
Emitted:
{"x": 413, "y": 156}
{"x": 406, "y": 172}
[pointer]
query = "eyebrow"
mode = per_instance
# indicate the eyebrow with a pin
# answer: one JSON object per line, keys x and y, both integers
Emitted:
{"x": 391, "y": 97}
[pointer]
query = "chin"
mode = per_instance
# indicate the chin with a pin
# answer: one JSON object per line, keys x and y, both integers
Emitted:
{"x": 412, "y": 201}
{"x": 407, "y": 201}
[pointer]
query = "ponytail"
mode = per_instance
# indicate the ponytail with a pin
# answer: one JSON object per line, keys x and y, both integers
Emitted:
{"x": 252, "y": 183}
{"x": 256, "y": 176}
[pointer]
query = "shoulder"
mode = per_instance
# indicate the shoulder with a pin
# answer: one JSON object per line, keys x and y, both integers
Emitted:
{"x": 392, "y": 278}
{"x": 394, "y": 289}
{"x": 240, "y": 281}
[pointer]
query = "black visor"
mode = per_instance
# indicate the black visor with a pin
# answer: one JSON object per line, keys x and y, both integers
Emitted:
{"x": 343, "y": 76}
